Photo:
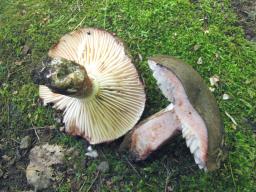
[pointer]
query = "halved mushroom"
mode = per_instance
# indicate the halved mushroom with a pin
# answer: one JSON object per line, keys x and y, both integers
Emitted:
{"x": 90, "y": 76}
{"x": 193, "y": 111}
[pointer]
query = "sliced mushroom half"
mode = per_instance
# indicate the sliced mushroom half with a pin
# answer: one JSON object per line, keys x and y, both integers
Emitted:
{"x": 193, "y": 111}
{"x": 90, "y": 76}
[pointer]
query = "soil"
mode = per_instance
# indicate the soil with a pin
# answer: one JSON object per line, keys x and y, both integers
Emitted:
{"x": 13, "y": 160}
{"x": 246, "y": 11}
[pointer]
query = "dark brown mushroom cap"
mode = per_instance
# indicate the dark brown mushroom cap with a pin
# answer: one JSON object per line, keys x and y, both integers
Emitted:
{"x": 203, "y": 102}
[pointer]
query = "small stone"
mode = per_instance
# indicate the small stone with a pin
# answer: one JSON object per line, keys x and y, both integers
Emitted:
{"x": 18, "y": 62}
{"x": 57, "y": 119}
{"x": 5, "y": 176}
{"x": 25, "y": 142}
{"x": 196, "y": 47}
{"x": 169, "y": 189}
{"x": 25, "y": 49}
{"x": 93, "y": 154}
{"x": 62, "y": 129}
{"x": 6, "y": 158}
{"x": 103, "y": 167}
{"x": 217, "y": 55}
{"x": 225, "y": 96}
{"x": 200, "y": 61}
{"x": 23, "y": 12}
{"x": 41, "y": 171}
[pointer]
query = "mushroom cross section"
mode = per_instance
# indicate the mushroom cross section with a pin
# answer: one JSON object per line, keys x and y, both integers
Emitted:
{"x": 193, "y": 112}
{"x": 90, "y": 76}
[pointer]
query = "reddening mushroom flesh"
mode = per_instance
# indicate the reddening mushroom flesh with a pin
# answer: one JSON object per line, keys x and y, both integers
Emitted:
{"x": 193, "y": 112}
{"x": 90, "y": 76}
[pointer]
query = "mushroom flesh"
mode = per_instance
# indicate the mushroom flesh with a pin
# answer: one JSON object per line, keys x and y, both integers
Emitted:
{"x": 193, "y": 112}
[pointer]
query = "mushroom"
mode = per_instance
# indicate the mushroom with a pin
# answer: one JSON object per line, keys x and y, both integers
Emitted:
{"x": 90, "y": 76}
{"x": 193, "y": 112}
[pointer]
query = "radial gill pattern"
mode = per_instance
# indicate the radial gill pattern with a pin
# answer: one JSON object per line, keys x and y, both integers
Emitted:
{"x": 118, "y": 99}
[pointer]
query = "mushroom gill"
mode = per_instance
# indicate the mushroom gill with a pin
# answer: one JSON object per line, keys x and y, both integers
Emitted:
{"x": 194, "y": 113}
{"x": 90, "y": 76}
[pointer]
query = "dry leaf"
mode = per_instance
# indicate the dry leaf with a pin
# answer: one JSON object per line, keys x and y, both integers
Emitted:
{"x": 199, "y": 61}
{"x": 214, "y": 80}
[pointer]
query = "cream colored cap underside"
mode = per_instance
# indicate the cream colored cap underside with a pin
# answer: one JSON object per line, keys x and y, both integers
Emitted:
{"x": 117, "y": 106}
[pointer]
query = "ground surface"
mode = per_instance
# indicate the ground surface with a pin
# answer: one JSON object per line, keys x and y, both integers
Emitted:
{"x": 186, "y": 29}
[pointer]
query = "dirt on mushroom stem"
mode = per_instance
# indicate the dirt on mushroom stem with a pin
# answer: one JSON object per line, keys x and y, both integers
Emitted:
{"x": 64, "y": 77}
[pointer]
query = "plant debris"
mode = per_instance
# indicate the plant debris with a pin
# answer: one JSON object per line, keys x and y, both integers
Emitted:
{"x": 25, "y": 142}
{"x": 214, "y": 80}
{"x": 200, "y": 61}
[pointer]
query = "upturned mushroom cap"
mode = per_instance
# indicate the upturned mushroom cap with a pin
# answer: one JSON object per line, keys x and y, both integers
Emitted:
{"x": 194, "y": 112}
{"x": 197, "y": 109}
{"x": 115, "y": 97}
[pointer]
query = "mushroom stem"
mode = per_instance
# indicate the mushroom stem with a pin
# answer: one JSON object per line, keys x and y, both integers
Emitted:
{"x": 151, "y": 134}
{"x": 64, "y": 77}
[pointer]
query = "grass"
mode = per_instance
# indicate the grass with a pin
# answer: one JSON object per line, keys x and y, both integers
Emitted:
{"x": 148, "y": 28}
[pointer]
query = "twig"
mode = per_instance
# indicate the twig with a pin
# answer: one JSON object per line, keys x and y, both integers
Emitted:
{"x": 11, "y": 73}
{"x": 37, "y": 135}
{"x": 231, "y": 118}
{"x": 15, "y": 140}
{"x": 91, "y": 183}
{"x": 79, "y": 23}
{"x": 82, "y": 185}
{"x": 167, "y": 182}
{"x": 50, "y": 127}
{"x": 131, "y": 165}
{"x": 167, "y": 178}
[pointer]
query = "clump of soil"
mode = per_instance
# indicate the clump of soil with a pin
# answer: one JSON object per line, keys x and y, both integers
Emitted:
{"x": 246, "y": 11}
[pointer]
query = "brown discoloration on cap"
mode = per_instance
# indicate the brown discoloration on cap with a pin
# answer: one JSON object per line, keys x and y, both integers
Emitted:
{"x": 73, "y": 130}
{"x": 204, "y": 103}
